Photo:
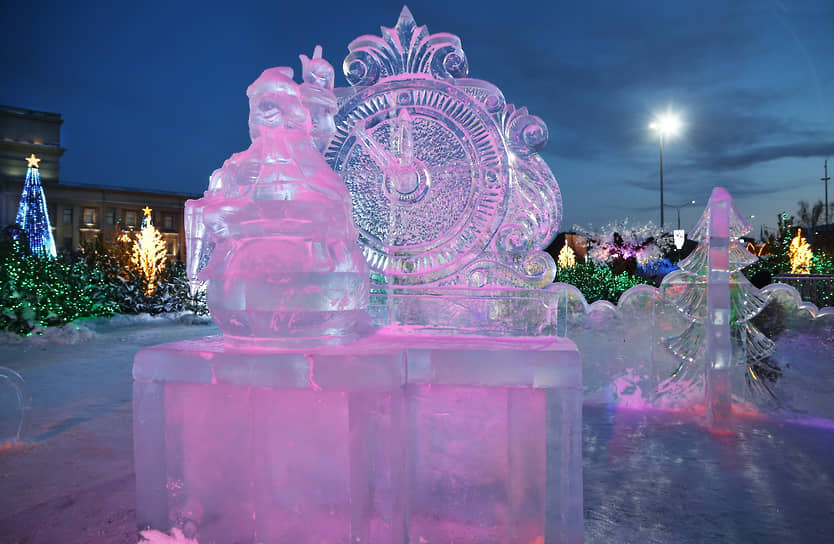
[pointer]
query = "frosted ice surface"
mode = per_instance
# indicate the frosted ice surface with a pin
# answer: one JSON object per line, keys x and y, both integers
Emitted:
{"x": 448, "y": 187}
{"x": 273, "y": 235}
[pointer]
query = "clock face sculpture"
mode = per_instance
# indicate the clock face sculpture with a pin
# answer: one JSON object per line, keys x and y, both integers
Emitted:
{"x": 432, "y": 167}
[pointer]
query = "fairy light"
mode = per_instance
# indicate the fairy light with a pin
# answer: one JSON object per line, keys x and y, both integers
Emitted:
{"x": 46, "y": 291}
{"x": 149, "y": 252}
{"x": 800, "y": 254}
{"x": 31, "y": 213}
{"x": 567, "y": 257}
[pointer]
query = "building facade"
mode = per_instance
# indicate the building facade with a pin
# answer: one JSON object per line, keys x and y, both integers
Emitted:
{"x": 79, "y": 213}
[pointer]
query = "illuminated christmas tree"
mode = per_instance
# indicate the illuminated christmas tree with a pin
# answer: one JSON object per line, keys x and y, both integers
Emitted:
{"x": 32, "y": 216}
{"x": 800, "y": 254}
{"x": 567, "y": 258}
{"x": 149, "y": 253}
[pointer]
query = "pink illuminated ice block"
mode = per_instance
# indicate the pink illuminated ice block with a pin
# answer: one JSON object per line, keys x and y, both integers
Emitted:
{"x": 395, "y": 438}
{"x": 271, "y": 446}
{"x": 494, "y": 440}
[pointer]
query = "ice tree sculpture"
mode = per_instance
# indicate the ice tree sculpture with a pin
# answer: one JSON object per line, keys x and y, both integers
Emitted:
{"x": 448, "y": 188}
{"x": 713, "y": 293}
{"x": 32, "y": 215}
{"x": 273, "y": 235}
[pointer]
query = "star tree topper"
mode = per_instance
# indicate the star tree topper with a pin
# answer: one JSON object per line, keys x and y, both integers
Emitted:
{"x": 33, "y": 161}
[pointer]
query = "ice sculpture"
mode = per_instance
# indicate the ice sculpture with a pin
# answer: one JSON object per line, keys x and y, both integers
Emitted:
{"x": 274, "y": 236}
{"x": 453, "y": 203}
{"x": 713, "y": 292}
{"x": 294, "y": 427}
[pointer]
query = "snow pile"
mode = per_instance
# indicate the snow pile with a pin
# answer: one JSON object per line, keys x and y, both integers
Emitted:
{"x": 85, "y": 329}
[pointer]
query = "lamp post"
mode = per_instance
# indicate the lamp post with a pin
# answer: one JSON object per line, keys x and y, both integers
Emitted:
{"x": 690, "y": 203}
{"x": 826, "y": 179}
{"x": 667, "y": 124}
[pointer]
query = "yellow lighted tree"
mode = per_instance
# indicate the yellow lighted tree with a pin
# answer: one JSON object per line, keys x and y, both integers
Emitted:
{"x": 149, "y": 253}
{"x": 800, "y": 254}
{"x": 567, "y": 258}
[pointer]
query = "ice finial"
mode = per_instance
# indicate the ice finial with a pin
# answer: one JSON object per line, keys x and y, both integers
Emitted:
{"x": 405, "y": 17}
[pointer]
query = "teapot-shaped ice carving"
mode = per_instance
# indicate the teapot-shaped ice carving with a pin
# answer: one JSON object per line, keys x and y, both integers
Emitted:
{"x": 274, "y": 235}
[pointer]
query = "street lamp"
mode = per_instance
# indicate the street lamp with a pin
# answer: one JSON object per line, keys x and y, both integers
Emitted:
{"x": 690, "y": 203}
{"x": 667, "y": 124}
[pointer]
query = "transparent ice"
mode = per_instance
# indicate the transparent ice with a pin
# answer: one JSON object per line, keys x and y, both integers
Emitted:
{"x": 273, "y": 236}
{"x": 450, "y": 194}
{"x": 458, "y": 417}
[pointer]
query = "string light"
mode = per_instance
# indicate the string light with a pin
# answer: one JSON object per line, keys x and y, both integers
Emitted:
{"x": 149, "y": 252}
{"x": 567, "y": 257}
{"x": 800, "y": 254}
{"x": 31, "y": 213}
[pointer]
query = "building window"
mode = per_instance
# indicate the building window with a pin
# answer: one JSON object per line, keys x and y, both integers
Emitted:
{"x": 171, "y": 244}
{"x": 110, "y": 216}
{"x": 67, "y": 216}
{"x": 90, "y": 217}
{"x": 130, "y": 218}
{"x": 88, "y": 238}
{"x": 168, "y": 222}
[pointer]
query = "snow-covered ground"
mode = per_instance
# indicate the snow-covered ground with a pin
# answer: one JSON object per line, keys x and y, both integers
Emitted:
{"x": 648, "y": 476}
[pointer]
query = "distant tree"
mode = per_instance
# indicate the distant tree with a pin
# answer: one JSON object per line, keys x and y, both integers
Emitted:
{"x": 809, "y": 216}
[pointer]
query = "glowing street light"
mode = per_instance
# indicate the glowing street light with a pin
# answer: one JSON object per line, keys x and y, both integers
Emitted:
{"x": 667, "y": 124}
{"x": 690, "y": 203}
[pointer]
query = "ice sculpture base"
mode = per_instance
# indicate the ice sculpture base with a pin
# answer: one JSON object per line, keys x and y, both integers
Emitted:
{"x": 492, "y": 311}
{"x": 391, "y": 439}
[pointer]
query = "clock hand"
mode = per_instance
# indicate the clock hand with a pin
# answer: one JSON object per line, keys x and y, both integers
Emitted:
{"x": 403, "y": 139}
{"x": 378, "y": 153}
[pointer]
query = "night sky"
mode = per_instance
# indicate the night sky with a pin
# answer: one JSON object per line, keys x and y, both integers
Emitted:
{"x": 153, "y": 93}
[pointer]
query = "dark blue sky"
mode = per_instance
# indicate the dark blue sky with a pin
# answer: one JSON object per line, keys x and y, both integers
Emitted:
{"x": 153, "y": 93}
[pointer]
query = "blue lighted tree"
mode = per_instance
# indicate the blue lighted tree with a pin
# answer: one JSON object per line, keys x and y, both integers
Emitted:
{"x": 32, "y": 216}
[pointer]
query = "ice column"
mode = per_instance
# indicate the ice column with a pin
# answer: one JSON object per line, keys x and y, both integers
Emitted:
{"x": 718, "y": 395}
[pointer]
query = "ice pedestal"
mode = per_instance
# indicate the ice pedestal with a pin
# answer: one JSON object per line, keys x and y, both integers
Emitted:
{"x": 270, "y": 446}
{"x": 494, "y": 445}
{"x": 391, "y": 439}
